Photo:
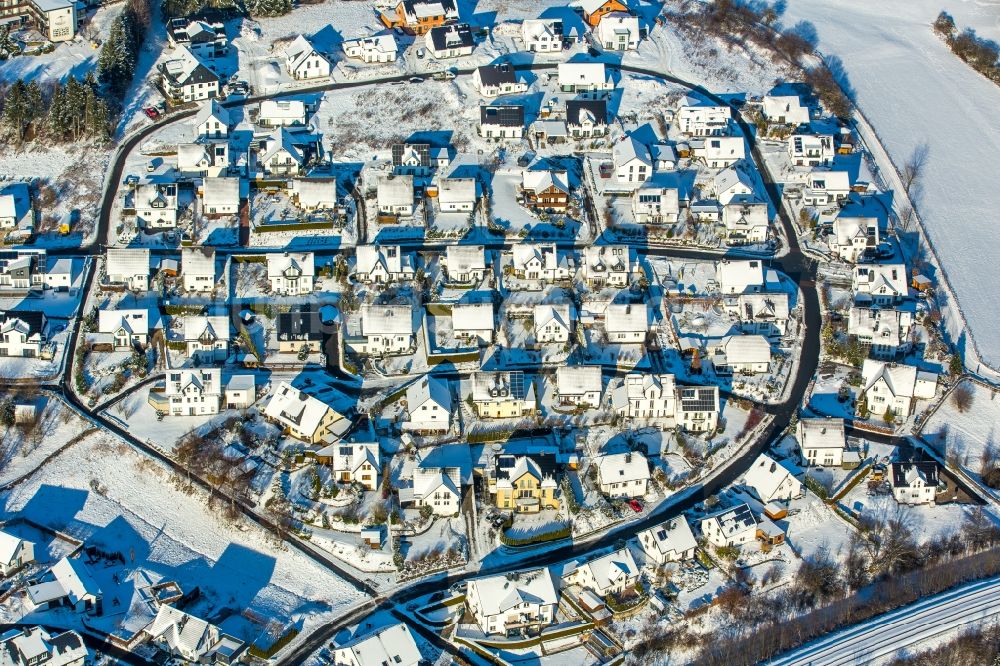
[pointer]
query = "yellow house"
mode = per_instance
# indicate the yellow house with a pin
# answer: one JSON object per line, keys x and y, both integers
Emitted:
{"x": 502, "y": 395}
{"x": 525, "y": 484}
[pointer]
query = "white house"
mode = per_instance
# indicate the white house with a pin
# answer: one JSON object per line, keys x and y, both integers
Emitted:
{"x": 501, "y": 121}
{"x": 586, "y": 118}
{"x": 893, "y": 386}
{"x": 156, "y": 205}
{"x": 23, "y": 334}
{"x": 734, "y": 526}
{"x": 824, "y": 187}
{"x": 737, "y": 182}
{"x": 613, "y": 573}
{"x": 240, "y": 392}
{"x": 670, "y": 541}
{"x": 68, "y": 583}
{"x": 395, "y": 195}
{"x": 465, "y": 264}
{"x": 282, "y": 113}
{"x": 513, "y": 601}
{"x": 212, "y": 122}
{"x": 388, "y": 329}
{"x": 811, "y": 150}
{"x": 304, "y": 417}
{"x": 623, "y": 474}
{"x": 193, "y": 392}
{"x": 198, "y": 268}
{"x": 881, "y": 284}
{"x": 428, "y": 406}
{"x": 853, "y": 236}
{"x": 698, "y": 408}
{"x": 584, "y": 77}
{"x": 501, "y": 395}
{"x": 450, "y": 41}
{"x": 553, "y": 322}
{"x": 220, "y": 196}
{"x": 610, "y": 265}
{"x": 185, "y": 78}
{"x": 738, "y": 277}
{"x": 203, "y": 158}
{"x": 379, "y": 264}
{"x": 207, "y": 337}
{"x": 542, "y": 35}
{"x": 539, "y": 264}
{"x": 457, "y": 195}
{"x": 699, "y": 118}
{"x": 579, "y": 385}
{"x": 653, "y": 203}
{"x": 887, "y": 332}
{"x": 632, "y": 161}
{"x": 746, "y": 222}
{"x": 822, "y": 441}
{"x": 15, "y": 553}
{"x": 473, "y": 322}
{"x": 438, "y": 477}
{"x": 719, "y": 152}
{"x": 497, "y": 79}
{"x": 291, "y": 273}
{"x": 304, "y": 62}
{"x": 353, "y": 462}
{"x": 16, "y": 210}
{"x": 783, "y": 106}
{"x": 618, "y": 31}
{"x": 375, "y": 49}
{"x": 646, "y": 396}
{"x": 125, "y": 328}
{"x": 389, "y": 646}
{"x": 280, "y": 155}
{"x": 914, "y": 482}
{"x": 190, "y": 638}
{"x": 759, "y": 313}
{"x": 205, "y": 40}
{"x": 626, "y": 323}
{"x": 312, "y": 194}
{"x": 772, "y": 481}
{"x": 127, "y": 267}
{"x": 746, "y": 354}
{"x": 30, "y": 646}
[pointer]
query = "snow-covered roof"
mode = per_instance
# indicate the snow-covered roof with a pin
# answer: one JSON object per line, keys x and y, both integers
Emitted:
{"x": 626, "y": 318}
{"x": 821, "y": 433}
{"x": 582, "y": 73}
{"x": 390, "y": 257}
{"x": 134, "y": 322}
{"x": 539, "y": 181}
{"x": 297, "y": 52}
{"x": 546, "y": 254}
{"x": 457, "y": 190}
{"x": 674, "y": 535}
{"x": 900, "y": 378}
{"x": 349, "y": 456}
{"x": 501, "y": 593}
{"x": 127, "y": 262}
{"x": 199, "y": 260}
{"x": 380, "y": 43}
{"x": 746, "y": 349}
{"x": 886, "y": 279}
{"x": 616, "y": 258}
{"x": 15, "y": 200}
{"x": 387, "y": 319}
{"x": 70, "y": 579}
{"x": 183, "y": 633}
{"x": 281, "y": 140}
{"x": 630, "y": 148}
{"x": 197, "y": 327}
{"x": 738, "y": 179}
{"x": 464, "y": 258}
{"x": 578, "y": 379}
{"x": 560, "y": 313}
{"x": 282, "y": 109}
{"x": 35, "y": 645}
{"x": 734, "y": 520}
{"x": 759, "y": 307}
{"x": 389, "y": 646}
{"x": 492, "y": 386}
{"x": 296, "y": 264}
{"x": 395, "y": 190}
{"x": 220, "y": 191}
{"x": 765, "y": 476}
{"x": 735, "y": 277}
{"x": 294, "y": 407}
{"x": 209, "y": 110}
{"x": 622, "y": 467}
{"x": 315, "y": 192}
{"x": 9, "y": 545}
{"x": 472, "y": 317}
{"x": 612, "y": 569}
{"x": 428, "y": 389}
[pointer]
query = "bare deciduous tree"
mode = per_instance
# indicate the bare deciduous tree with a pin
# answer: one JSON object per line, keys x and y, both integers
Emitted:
{"x": 962, "y": 397}
{"x": 885, "y": 533}
{"x": 914, "y": 168}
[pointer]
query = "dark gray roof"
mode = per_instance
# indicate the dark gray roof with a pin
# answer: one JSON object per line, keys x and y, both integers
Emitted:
{"x": 304, "y": 325}
{"x": 498, "y": 74}
{"x": 34, "y": 319}
{"x": 574, "y": 107}
{"x": 927, "y": 468}
{"x": 506, "y": 115}
{"x": 451, "y": 36}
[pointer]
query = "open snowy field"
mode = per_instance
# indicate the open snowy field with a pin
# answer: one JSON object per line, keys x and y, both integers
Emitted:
{"x": 915, "y": 91}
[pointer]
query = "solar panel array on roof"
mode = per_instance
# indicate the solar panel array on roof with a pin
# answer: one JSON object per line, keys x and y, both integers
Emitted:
{"x": 507, "y": 115}
{"x": 399, "y": 150}
{"x": 697, "y": 399}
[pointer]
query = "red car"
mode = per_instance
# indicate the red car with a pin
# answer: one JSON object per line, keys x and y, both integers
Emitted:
{"x": 635, "y": 505}
{"x": 151, "y": 112}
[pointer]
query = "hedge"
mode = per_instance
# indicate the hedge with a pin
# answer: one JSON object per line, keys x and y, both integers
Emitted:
{"x": 294, "y": 226}
{"x": 544, "y": 537}
{"x": 273, "y": 649}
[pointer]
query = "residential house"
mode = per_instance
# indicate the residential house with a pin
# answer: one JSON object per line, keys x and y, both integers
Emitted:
{"x": 374, "y": 49}
{"x": 584, "y": 77}
{"x": 313, "y": 194}
{"x": 282, "y": 113}
{"x": 618, "y": 31}
{"x": 739, "y": 276}
{"x": 68, "y": 583}
{"x": 31, "y": 646}
{"x": 212, "y": 122}
{"x": 299, "y": 331}
{"x": 428, "y": 406}
{"x": 892, "y": 388}
{"x": 240, "y": 392}
{"x": 205, "y": 40}
{"x": 760, "y": 313}
{"x": 450, "y": 41}
{"x": 127, "y": 267}
{"x": 191, "y": 639}
{"x": 608, "y": 265}
{"x": 623, "y": 474}
{"x": 587, "y": 118}
{"x": 513, "y": 602}
{"x": 553, "y": 323}
{"x": 594, "y": 11}
{"x": 579, "y": 385}
{"x": 502, "y": 395}
{"x": 853, "y": 236}
{"x": 825, "y": 187}
{"x": 465, "y": 264}
{"x": 15, "y": 553}
{"x": 388, "y": 329}
{"x": 23, "y": 270}
{"x": 501, "y": 121}
{"x": 395, "y": 195}
{"x": 880, "y": 284}
{"x": 822, "y": 441}
{"x": 524, "y": 483}
{"x": 198, "y": 268}
{"x": 203, "y": 158}
{"x": 719, "y": 152}
{"x": 419, "y": 16}
{"x": 670, "y": 541}
{"x": 207, "y": 337}
{"x": 545, "y": 190}
{"x": 127, "y": 329}
{"x": 457, "y": 195}
{"x": 16, "y": 211}
{"x": 281, "y": 155}
{"x": 156, "y": 205}
{"x": 497, "y": 79}
{"x": 734, "y": 526}
{"x": 632, "y": 161}
{"x": 539, "y": 263}
{"x": 24, "y": 334}
{"x": 191, "y": 392}
{"x": 59, "y": 275}
{"x": 303, "y": 416}
{"x": 784, "y": 106}
{"x": 646, "y": 396}
{"x": 699, "y": 118}
{"x": 438, "y": 478}
{"x": 380, "y": 264}
{"x": 698, "y": 408}
{"x": 627, "y": 323}
{"x": 473, "y": 322}
{"x": 887, "y": 332}
{"x": 812, "y": 150}
{"x": 303, "y": 62}
{"x": 609, "y": 574}
{"x": 914, "y": 482}
{"x": 744, "y": 354}
{"x": 654, "y": 203}
{"x": 746, "y": 222}
{"x": 392, "y": 645}
{"x": 291, "y": 274}
{"x": 542, "y": 35}
{"x": 771, "y": 480}
{"x": 353, "y": 462}
{"x": 185, "y": 78}
{"x": 220, "y": 197}
{"x": 412, "y": 158}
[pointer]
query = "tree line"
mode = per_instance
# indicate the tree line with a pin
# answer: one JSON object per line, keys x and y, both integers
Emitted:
{"x": 120, "y": 52}
{"x": 981, "y": 54}
{"x": 255, "y": 8}
{"x": 59, "y": 111}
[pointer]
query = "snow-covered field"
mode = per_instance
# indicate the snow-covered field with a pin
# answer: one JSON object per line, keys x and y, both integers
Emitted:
{"x": 963, "y": 435}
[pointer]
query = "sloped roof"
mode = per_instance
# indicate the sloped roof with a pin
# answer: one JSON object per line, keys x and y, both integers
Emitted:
{"x": 765, "y": 475}
{"x": 387, "y": 319}
{"x": 472, "y": 317}
{"x": 135, "y": 322}
{"x": 674, "y": 535}
{"x": 622, "y": 467}
{"x": 498, "y": 594}
{"x": 392, "y": 646}
{"x": 578, "y": 379}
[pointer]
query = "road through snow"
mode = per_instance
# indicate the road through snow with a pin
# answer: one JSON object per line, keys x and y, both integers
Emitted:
{"x": 912, "y": 626}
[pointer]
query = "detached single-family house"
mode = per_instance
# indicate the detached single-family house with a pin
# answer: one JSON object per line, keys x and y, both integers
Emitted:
{"x": 450, "y": 41}
{"x": 419, "y": 16}
{"x": 303, "y": 416}
{"x": 772, "y": 481}
{"x": 746, "y": 222}
{"x": 206, "y": 157}
{"x": 524, "y": 483}
{"x": 584, "y": 77}
{"x": 825, "y": 187}
{"x": 389, "y": 646}
{"x": 542, "y": 35}
{"x": 156, "y": 205}
{"x": 745, "y": 354}
{"x": 736, "y": 183}
{"x": 623, "y": 474}
{"x": 473, "y": 322}
{"x": 299, "y": 331}
{"x": 627, "y": 323}
{"x": 68, "y": 583}
{"x": 553, "y": 322}
{"x": 784, "y": 106}
{"x": 670, "y": 541}
{"x": 760, "y": 313}
{"x": 395, "y": 195}
{"x": 579, "y": 385}
{"x": 198, "y": 268}
{"x": 282, "y": 113}
{"x": 609, "y": 574}
{"x": 281, "y": 155}
{"x": 353, "y": 462}
{"x": 739, "y": 276}
{"x": 15, "y": 553}
{"x": 822, "y": 441}
{"x": 240, "y": 392}
{"x": 594, "y": 11}
{"x": 375, "y": 49}
{"x": 618, "y": 31}
{"x": 16, "y": 211}
{"x": 812, "y": 150}
{"x": 646, "y": 396}
{"x": 303, "y": 62}
{"x": 853, "y": 236}
{"x": 189, "y": 392}
{"x": 914, "y": 482}
{"x": 880, "y": 284}
{"x": 513, "y": 602}
{"x": 291, "y": 273}
{"x": 126, "y": 329}
{"x": 503, "y": 395}
{"x": 632, "y": 161}
{"x": 699, "y": 118}
{"x": 893, "y": 387}
{"x": 587, "y": 118}
{"x": 734, "y": 526}
{"x": 312, "y": 194}
{"x": 185, "y": 78}
{"x": 539, "y": 264}
{"x": 191, "y": 639}
{"x": 205, "y": 40}
{"x": 545, "y": 190}
{"x": 608, "y": 265}
{"x": 220, "y": 196}
{"x": 412, "y": 158}
{"x": 207, "y": 337}
{"x": 719, "y": 152}
{"x": 887, "y": 332}
{"x": 653, "y": 203}
{"x": 127, "y": 267}
{"x": 698, "y": 408}
{"x": 212, "y": 122}
{"x": 465, "y": 264}
{"x": 457, "y": 195}
{"x": 428, "y": 406}
{"x": 379, "y": 264}
{"x": 501, "y": 121}
{"x": 31, "y": 646}
{"x": 497, "y": 79}
{"x": 23, "y": 334}
{"x": 388, "y": 329}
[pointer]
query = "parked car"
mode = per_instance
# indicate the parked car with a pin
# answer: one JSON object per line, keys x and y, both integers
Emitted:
{"x": 635, "y": 505}
{"x": 416, "y": 79}
{"x": 151, "y": 112}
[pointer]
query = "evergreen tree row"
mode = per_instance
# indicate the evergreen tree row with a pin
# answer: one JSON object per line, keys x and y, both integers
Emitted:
{"x": 120, "y": 52}
{"x": 70, "y": 111}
